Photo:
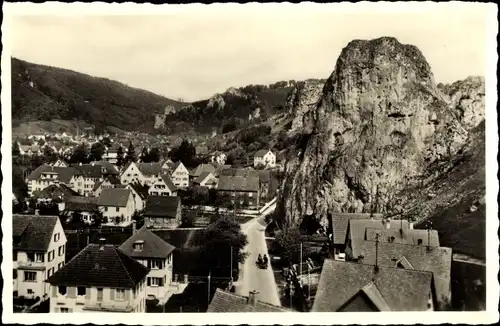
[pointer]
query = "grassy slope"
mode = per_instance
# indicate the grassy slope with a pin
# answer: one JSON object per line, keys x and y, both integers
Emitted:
{"x": 65, "y": 95}
{"x": 461, "y": 185}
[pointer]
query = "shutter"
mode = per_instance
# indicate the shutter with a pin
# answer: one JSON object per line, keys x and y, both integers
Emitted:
{"x": 149, "y": 263}
{"x": 87, "y": 293}
{"x": 54, "y": 291}
{"x": 127, "y": 294}
{"x": 112, "y": 294}
{"x": 149, "y": 281}
{"x": 71, "y": 292}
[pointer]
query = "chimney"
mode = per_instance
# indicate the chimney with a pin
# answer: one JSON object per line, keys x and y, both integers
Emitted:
{"x": 252, "y": 297}
{"x": 102, "y": 242}
{"x": 134, "y": 227}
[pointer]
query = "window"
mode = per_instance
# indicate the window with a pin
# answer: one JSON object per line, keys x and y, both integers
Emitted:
{"x": 419, "y": 241}
{"x": 62, "y": 289}
{"x": 169, "y": 259}
{"x": 51, "y": 255}
{"x": 156, "y": 264}
{"x": 120, "y": 294}
{"x": 50, "y": 272}
{"x": 39, "y": 257}
{"x": 81, "y": 290}
{"x": 155, "y": 281}
{"x": 30, "y": 291}
{"x": 30, "y": 276}
{"x": 14, "y": 255}
{"x": 14, "y": 273}
{"x": 117, "y": 209}
{"x": 105, "y": 209}
{"x": 61, "y": 264}
{"x": 61, "y": 250}
{"x": 99, "y": 294}
{"x": 65, "y": 310}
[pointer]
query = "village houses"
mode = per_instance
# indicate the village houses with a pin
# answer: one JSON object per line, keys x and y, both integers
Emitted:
{"x": 46, "y": 175}
{"x": 143, "y": 173}
{"x": 242, "y": 190}
{"x": 39, "y": 250}
{"x": 162, "y": 212}
{"x": 108, "y": 183}
{"x": 265, "y": 158}
{"x": 179, "y": 174}
{"x": 100, "y": 278}
{"x": 163, "y": 186}
{"x": 117, "y": 203}
{"x": 206, "y": 179}
{"x": 140, "y": 194}
{"x": 150, "y": 250}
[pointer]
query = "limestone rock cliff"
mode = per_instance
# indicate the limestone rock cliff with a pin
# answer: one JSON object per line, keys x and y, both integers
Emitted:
{"x": 379, "y": 121}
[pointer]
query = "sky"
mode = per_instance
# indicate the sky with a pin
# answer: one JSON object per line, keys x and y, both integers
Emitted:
{"x": 193, "y": 54}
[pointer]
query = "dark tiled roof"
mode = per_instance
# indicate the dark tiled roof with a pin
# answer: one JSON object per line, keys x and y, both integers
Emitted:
{"x": 173, "y": 166}
{"x": 162, "y": 206}
{"x": 203, "y": 168}
{"x": 230, "y": 183}
{"x": 340, "y": 221}
{"x": 148, "y": 169}
{"x": 116, "y": 197}
{"x": 113, "y": 179}
{"x": 153, "y": 247}
{"x": 223, "y": 301}
{"x": 56, "y": 191}
{"x": 358, "y": 227}
{"x": 32, "y": 232}
{"x": 110, "y": 168}
{"x": 407, "y": 236}
{"x": 141, "y": 190}
{"x": 263, "y": 175}
{"x": 89, "y": 170}
{"x": 261, "y": 152}
{"x": 95, "y": 267}
{"x": 80, "y": 203}
{"x": 64, "y": 174}
{"x": 168, "y": 182}
{"x": 202, "y": 177}
{"x": 401, "y": 289}
{"x": 435, "y": 259}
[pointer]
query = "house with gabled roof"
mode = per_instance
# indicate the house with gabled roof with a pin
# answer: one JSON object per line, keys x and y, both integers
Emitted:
{"x": 163, "y": 186}
{"x": 60, "y": 163}
{"x": 46, "y": 175}
{"x": 58, "y": 193}
{"x": 162, "y": 212}
{"x": 150, "y": 172}
{"x": 178, "y": 173}
{"x": 39, "y": 249}
{"x": 416, "y": 257}
{"x": 353, "y": 287}
{"x": 206, "y": 179}
{"x": 201, "y": 169}
{"x": 132, "y": 174}
{"x": 264, "y": 157}
{"x": 116, "y": 202}
{"x": 100, "y": 278}
{"x": 152, "y": 251}
{"x": 241, "y": 190}
{"x": 140, "y": 194}
{"x": 109, "y": 181}
{"x": 224, "y": 301}
{"x": 401, "y": 231}
{"x": 85, "y": 206}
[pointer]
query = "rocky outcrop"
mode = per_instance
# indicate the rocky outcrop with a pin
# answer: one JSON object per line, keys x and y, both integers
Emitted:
{"x": 216, "y": 101}
{"x": 379, "y": 121}
{"x": 303, "y": 98}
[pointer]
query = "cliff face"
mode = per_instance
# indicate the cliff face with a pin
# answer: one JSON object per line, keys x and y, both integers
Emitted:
{"x": 379, "y": 121}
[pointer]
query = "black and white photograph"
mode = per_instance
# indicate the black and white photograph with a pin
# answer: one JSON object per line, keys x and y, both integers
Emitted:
{"x": 193, "y": 160}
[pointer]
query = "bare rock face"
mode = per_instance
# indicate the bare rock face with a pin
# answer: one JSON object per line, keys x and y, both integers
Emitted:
{"x": 216, "y": 100}
{"x": 379, "y": 121}
{"x": 303, "y": 98}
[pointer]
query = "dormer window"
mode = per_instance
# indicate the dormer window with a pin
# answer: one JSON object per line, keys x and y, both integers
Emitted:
{"x": 419, "y": 241}
{"x": 139, "y": 245}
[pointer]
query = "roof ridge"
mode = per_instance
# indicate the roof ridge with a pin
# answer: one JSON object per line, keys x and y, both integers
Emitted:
{"x": 246, "y": 298}
{"x": 115, "y": 249}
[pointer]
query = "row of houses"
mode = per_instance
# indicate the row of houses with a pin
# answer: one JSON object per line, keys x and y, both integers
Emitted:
{"x": 101, "y": 277}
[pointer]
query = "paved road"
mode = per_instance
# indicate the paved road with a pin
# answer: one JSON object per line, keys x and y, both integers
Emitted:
{"x": 251, "y": 277}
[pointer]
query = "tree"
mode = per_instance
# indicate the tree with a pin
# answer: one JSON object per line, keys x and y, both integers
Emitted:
{"x": 106, "y": 142}
{"x": 154, "y": 155}
{"x": 16, "y": 151}
{"x": 131, "y": 157}
{"x": 119, "y": 157}
{"x": 144, "y": 157}
{"x": 79, "y": 155}
{"x": 288, "y": 244}
{"x": 186, "y": 153}
{"x": 49, "y": 156}
{"x": 96, "y": 152}
{"x": 216, "y": 242}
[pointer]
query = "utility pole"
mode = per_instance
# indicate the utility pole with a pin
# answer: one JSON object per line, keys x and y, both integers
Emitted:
{"x": 301, "y": 259}
{"x": 208, "y": 298}
{"x": 376, "y": 251}
{"x": 231, "y": 266}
